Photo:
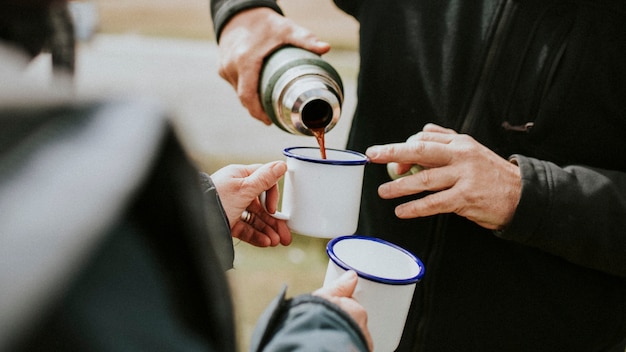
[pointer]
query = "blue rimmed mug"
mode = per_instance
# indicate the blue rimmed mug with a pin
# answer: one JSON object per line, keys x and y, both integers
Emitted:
{"x": 387, "y": 275}
{"x": 322, "y": 197}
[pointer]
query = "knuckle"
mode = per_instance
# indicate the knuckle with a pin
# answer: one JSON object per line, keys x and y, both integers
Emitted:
{"x": 425, "y": 178}
{"x": 416, "y": 137}
{"x": 245, "y": 95}
{"x": 418, "y": 147}
{"x": 431, "y": 202}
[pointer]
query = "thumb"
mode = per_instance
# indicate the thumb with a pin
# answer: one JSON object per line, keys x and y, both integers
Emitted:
{"x": 266, "y": 176}
{"x": 344, "y": 286}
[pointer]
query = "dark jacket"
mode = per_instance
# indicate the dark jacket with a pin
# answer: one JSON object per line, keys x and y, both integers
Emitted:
{"x": 110, "y": 240}
{"x": 541, "y": 81}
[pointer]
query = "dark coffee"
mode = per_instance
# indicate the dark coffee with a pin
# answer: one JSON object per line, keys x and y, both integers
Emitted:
{"x": 319, "y": 135}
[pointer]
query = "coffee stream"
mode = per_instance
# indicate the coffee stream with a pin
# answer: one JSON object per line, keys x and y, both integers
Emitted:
{"x": 319, "y": 135}
{"x": 316, "y": 115}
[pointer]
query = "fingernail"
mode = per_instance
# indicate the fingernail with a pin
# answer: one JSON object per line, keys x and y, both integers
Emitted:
{"x": 383, "y": 189}
{"x": 321, "y": 44}
{"x": 350, "y": 274}
{"x": 373, "y": 152}
{"x": 279, "y": 168}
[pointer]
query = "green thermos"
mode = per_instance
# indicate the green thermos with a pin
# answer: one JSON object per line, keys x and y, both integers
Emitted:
{"x": 300, "y": 91}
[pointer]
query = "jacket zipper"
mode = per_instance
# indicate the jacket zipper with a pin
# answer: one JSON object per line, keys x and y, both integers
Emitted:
{"x": 468, "y": 123}
{"x": 543, "y": 86}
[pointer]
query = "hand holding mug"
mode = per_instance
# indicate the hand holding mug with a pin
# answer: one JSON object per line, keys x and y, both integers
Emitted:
{"x": 340, "y": 291}
{"x": 466, "y": 177}
{"x": 239, "y": 187}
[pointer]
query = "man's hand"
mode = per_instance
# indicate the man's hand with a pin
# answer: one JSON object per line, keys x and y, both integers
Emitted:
{"x": 465, "y": 177}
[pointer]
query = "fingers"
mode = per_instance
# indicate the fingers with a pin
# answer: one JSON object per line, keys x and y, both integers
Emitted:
{"x": 271, "y": 199}
{"x": 432, "y": 204}
{"x": 420, "y": 152}
{"x": 243, "y": 74}
{"x": 424, "y": 180}
{"x": 434, "y": 133}
{"x": 431, "y": 147}
{"x": 261, "y": 229}
{"x": 247, "y": 91}
{"x": 248, "y": 232}
{"x": 431, "y": 127}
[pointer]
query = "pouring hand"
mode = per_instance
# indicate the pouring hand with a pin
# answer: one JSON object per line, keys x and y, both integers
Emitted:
{"x": 466, "y": 177}
{"x": 247, "y": 39}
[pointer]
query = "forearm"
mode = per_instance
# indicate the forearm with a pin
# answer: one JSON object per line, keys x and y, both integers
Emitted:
{"x": 576, "y": 212}
{"x": 223, "y": 10}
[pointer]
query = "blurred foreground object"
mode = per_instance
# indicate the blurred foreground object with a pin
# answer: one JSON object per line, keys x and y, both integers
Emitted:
{"x": 85, "y": 17}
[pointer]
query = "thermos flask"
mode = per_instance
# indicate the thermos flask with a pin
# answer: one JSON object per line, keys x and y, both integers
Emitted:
{"x": 300, "y": 91}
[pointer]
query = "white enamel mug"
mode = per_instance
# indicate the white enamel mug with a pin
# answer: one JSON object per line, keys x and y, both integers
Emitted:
{"x": 387, "y": 278}
{"x": 322, "y": 197}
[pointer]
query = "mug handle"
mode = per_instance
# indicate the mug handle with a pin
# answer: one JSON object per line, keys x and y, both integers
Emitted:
{"x": 277, "y": 215}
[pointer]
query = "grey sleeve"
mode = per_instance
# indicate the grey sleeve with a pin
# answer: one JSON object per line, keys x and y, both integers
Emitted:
{"x": 306, "y": 323}
{"x": 217, "y": 222}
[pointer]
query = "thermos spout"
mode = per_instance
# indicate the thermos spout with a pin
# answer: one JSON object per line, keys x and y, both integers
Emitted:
{"x": 300, "y": 91}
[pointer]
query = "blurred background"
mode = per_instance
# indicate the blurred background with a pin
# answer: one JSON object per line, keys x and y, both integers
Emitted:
{"x": 166, "y": 50}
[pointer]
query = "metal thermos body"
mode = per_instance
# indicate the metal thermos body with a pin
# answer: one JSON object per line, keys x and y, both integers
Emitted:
{"x": 300, "y": 91}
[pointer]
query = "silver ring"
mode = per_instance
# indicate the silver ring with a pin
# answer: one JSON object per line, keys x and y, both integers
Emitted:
{"x": 246, "y": 216}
